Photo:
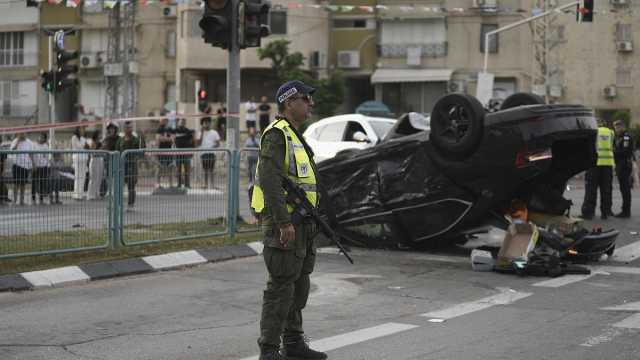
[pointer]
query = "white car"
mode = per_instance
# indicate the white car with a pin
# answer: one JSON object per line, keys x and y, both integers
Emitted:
{"x": 331, "y": 135}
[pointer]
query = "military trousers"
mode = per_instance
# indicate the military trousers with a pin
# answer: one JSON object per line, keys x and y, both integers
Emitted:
{"x": 288, "y": 283}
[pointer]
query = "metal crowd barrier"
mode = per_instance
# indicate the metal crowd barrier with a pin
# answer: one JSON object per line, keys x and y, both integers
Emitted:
{"x": 248, "y": 159}
{"x": 173, "y": 194}
{"x": 45, "y": 208}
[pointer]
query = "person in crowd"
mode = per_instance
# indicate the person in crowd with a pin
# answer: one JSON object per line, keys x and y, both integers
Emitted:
{"x": 128, "y": 142}
{"x": 184, "y": 139}
{"x": 250, "y": 109}
{"x": 96, "y": 167}
{"x": 265, "y": 113}
{"x": 251, "y": 145}
{"x": 22, "y": 165}
{"x": 164, "y": 139}
{"x": 4, "y": 192}
{"x": 600, "y": 176}
{"x": 57, "y": 164}
{"x": 222, "y": 121}
{"x": 40, "y": 177}
{"x": 623, "y": 155}
{"x": 80, "y": 162}
{"x": 208, "y": 139}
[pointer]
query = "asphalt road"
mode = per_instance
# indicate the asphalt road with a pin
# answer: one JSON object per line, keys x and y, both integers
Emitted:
{"x": 389, "y": 305}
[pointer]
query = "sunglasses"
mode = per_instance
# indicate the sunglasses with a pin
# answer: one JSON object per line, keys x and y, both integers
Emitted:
{"x": 305, "y": 98}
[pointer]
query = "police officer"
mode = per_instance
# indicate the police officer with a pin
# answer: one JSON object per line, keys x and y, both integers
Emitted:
{"x": 289, "y": 252}
{"x": 600, "y": 176}
{"x": 623, "y": 154}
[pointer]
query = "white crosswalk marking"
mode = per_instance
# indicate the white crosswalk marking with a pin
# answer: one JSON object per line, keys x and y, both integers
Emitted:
{"x": 354, "y": 337}
{"x": 627, "y": 253}
{"x": 506, "y": 296}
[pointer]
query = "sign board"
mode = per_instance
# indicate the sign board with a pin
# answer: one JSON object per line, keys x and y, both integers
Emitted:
{"x": 484, "y": 90}
{"x": 58, "y": 38}
{"x": 113, "y": 69}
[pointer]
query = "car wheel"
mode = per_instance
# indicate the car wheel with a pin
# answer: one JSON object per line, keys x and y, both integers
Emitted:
{"x": 457, "y": 123}
{"x": 520, "y": 99}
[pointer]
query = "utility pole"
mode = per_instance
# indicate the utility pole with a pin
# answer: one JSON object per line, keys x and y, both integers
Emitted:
{"x": 121, "y": 68}
{"x": 233, "y": 83}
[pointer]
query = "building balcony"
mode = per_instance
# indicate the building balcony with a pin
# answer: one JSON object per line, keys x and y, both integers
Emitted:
{"x": 401, "y": 50}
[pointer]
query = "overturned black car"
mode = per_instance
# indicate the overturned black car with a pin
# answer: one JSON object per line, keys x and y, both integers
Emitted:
{"x": 422, "y": 185}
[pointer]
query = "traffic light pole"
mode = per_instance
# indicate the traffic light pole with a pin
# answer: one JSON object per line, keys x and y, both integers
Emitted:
{"x": 52, "y": 99}
{"x": 233, "y": 84}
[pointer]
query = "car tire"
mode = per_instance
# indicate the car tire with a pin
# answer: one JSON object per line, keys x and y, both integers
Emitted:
{"x": 520, "y": 99}
{"x": 457, "y": 125}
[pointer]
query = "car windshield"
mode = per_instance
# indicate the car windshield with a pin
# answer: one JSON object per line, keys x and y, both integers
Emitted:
{"x": 381, "y": 128}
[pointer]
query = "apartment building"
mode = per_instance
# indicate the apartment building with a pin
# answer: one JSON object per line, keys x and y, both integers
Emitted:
{"x": 425, "y": 48}
{"x": 19, "y": 63}
{"x": 154, "y": 53}
{"x": 306, "y": 27}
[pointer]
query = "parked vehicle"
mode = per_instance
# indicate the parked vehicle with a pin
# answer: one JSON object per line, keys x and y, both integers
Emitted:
{"x": 329, "y": 136}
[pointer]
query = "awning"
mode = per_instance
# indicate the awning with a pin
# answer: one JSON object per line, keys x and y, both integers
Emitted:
{"x": 410, "y": 75}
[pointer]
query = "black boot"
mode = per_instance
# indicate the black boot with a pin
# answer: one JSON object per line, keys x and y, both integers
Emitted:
{"x": 271, "y": 354}
{"x": 298, "y": 349}
{"x": 623, "y": 215}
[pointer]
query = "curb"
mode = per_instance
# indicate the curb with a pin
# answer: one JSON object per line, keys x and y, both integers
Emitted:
{"x": 68, "y": 275}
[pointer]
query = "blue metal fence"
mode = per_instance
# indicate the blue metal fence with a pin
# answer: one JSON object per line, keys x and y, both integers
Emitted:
{"x": 143, "y": 196}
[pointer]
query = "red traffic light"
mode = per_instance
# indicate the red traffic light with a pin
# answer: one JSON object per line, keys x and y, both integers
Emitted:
{"x": 202, "y": 94}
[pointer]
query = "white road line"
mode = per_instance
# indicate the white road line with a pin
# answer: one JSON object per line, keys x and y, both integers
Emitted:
{"x": 627, "y": 253}
{"x": 632, "y": 322}
{"x": 506, "y": 296}
{"x": 354, "y": 337}
{"x": 633, "y": 306}
{"x": 620, "y": 269}
{"x": 563, "y": 280}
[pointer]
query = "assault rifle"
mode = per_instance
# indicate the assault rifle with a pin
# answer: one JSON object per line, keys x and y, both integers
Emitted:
{"x": 297, "y": 197}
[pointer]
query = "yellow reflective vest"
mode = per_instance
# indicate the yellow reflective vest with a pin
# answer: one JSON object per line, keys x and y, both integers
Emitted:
{"x": 605, "y": 146}
{"x": 297, "y": 167}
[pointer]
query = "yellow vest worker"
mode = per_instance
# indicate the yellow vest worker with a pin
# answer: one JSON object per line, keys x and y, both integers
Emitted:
{"x": 600, "y": 177}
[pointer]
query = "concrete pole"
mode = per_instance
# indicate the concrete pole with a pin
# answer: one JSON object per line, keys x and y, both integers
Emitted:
{"x": 233, "y": 84}
{"x": 52, "y": 98}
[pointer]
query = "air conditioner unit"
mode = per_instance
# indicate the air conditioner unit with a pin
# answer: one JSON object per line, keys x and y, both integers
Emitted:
{"x": 456, "y": 86}
{"x": 619, "y": 2}
{"x": 486, "y": 5}
{"x": 89, "y": 61}
{"x": 348, "y": 59}
{"x": 610, "y": 91}
{"x": 318, "y": 60}
{"x": 170, "y": 11}
{"x": 624, "y": 46}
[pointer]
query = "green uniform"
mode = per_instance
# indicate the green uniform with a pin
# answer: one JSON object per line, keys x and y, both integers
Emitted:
{"x": 288, "y": 267}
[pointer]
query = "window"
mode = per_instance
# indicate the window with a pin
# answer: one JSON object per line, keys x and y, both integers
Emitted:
{"x": 493, "y": 40}
{"x": 332, "y": 132}
{"x": 92, "y": 7}
{"x": 278, "y": 22}
{"x": 11, "y": 48}
{"x": 170, "y": 50}
{"x": 16, "y": 98}
{"x": 352, "y": 128}
{"x": 350, "y": 23}
{"x": 623, "y": 32}
{"x": 623, "y": 77}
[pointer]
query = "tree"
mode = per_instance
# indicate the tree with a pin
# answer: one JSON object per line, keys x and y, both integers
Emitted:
{"x": 329, "y": 92}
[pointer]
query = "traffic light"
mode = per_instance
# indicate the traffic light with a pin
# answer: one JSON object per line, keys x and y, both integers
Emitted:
{"x": 254, "y": 22}
{"x": 64, "y": 70}
{"x": 216, "y": 23}
{"x": 202, "y": 100}
{"x": 586, "y": 11}
{"x": 47, "y": 80}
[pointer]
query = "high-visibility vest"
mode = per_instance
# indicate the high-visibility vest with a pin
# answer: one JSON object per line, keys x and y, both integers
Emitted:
{"x": 605, "y": 147}
{"x": 297, "y": 167}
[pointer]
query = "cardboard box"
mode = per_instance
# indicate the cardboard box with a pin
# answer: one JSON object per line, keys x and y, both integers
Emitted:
{"x": 520, "y": 239}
